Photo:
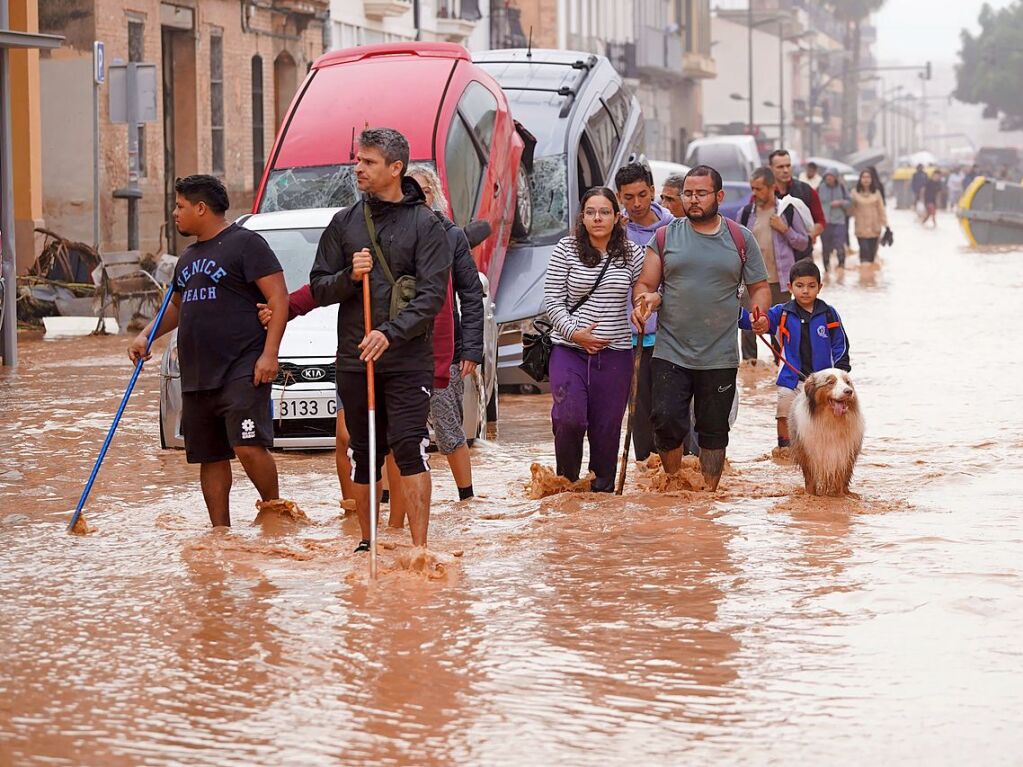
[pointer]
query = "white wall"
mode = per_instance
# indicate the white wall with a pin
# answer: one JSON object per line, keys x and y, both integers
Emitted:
{"x": 65, "y": 85}
{"x": 730, "y": 41}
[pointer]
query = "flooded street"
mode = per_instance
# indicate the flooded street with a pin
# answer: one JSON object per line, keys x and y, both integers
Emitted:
{"x": 754, "y": 626}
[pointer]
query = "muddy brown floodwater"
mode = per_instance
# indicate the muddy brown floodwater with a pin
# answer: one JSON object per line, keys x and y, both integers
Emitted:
{"x": 754, "y": 626}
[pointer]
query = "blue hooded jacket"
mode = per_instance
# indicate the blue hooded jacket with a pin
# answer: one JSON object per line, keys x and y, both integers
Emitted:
{"x": 829, "y": 346}
{"x": 642, "y": 235}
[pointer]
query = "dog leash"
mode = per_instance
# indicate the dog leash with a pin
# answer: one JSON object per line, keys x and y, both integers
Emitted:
{"x": 777, "y": 356}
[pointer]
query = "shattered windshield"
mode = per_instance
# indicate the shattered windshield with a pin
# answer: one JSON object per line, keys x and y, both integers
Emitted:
{"x": 320, "y": 186}
{"x": 548, "y": 187}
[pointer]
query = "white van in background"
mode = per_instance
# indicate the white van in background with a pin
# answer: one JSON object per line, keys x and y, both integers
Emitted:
{"x": 734, "y": 157}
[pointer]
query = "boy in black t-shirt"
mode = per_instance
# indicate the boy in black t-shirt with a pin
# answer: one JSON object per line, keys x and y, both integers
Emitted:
{"x": 227, "y": 359}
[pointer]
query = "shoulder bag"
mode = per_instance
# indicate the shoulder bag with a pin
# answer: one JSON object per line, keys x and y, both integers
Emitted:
{"x": 403, "y": 290}
{"x": 537, "y": 346}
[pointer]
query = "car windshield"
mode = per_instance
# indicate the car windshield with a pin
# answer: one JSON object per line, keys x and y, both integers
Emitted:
{"x": 295, "y": 249}
{"x": 726, "y": 159}
{"x": 548, "y": 190}
{"x": 318, "y": 186}
{"x": 736, "y": 192}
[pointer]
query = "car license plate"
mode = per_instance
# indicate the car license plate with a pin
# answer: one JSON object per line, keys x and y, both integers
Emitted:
{"x": 305, "y": 407}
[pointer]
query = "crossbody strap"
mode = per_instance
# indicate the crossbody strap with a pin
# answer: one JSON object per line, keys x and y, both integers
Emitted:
{"x": 376, "y": 244}
{"x": 584, "y": 299}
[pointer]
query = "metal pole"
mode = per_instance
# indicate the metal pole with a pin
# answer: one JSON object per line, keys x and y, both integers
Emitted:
{"x": 813, "y": 102}
{"x": 131, "y": 102}
{"x": 781, "y": 84}
{"x": 749, "y": 56}
{"x": 9, "y": 321}
{"x": 95, "y": 156}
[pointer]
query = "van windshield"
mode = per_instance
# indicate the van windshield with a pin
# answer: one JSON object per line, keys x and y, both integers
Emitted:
{"x": 317, "y": 186}
{"x": 296, "y": 250}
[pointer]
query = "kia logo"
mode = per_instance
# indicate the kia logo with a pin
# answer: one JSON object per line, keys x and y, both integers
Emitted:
{"x": 314, "y": 374}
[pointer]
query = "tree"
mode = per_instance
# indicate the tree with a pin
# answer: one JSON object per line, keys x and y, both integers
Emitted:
{"x": 853, "y": 13}
{"x": 990, "y": 65}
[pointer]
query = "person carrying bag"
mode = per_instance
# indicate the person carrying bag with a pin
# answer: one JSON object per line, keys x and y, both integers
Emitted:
{"x": 586, "y": 296}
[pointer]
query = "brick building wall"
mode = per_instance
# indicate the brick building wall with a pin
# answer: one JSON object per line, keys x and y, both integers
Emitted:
{"x": 142, "y": 29}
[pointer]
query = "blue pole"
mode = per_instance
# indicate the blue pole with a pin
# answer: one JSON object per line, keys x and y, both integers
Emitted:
{"x": 120, "y": 410}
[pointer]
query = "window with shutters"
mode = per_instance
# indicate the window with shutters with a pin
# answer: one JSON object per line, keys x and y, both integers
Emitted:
{"x": 217, "y": 101}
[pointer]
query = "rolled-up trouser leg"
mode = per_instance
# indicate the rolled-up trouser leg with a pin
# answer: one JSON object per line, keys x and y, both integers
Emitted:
{"x": 672, "y": 393}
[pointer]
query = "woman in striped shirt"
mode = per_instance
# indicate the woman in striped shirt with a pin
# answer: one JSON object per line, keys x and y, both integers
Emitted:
{"x": 586, "y": 298}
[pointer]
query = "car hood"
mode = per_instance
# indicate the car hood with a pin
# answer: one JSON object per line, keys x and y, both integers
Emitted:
{"x": 312, "y": 335}
{"x": 520, "y": 294}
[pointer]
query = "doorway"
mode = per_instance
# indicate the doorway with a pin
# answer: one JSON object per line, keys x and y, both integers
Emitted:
{"x": 180, "y": 118}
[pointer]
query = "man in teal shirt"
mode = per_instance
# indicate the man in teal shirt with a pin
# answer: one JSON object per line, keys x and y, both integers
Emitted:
{"x": 696, "y": 354}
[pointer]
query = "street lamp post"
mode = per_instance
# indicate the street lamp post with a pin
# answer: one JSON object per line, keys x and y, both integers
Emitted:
{"x": 749, "y": 56}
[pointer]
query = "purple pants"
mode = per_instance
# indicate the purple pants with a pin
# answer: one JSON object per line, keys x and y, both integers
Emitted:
{"x": 590, "y": 393}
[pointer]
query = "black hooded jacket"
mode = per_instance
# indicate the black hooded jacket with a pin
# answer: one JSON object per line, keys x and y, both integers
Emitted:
{"x": 465, "y": 279}
{"x": 413, "y": 242}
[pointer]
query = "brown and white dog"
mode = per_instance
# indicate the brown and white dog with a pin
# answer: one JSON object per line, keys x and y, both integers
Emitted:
{"x": 827, "y": 431}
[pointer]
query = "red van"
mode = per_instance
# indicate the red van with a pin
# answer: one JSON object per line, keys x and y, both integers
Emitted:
{"x": 454, "y": 114}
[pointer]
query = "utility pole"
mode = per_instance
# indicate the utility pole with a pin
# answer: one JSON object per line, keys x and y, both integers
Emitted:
{"x": 781, "y": 83}
{"x": 749, "y": 55}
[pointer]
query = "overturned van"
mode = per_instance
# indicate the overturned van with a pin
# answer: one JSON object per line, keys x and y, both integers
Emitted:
{"x": 586, "y": 125}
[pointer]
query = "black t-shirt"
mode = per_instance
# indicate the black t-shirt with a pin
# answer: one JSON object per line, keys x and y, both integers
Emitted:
{"x": 219, "y": 333}
{"x": 932, "y": 190}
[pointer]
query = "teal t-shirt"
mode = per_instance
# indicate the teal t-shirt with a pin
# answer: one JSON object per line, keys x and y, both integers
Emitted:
{"x": 697, "y": 321}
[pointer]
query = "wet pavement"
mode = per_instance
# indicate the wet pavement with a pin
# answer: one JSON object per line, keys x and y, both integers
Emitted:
{"x": 754, "y": 626}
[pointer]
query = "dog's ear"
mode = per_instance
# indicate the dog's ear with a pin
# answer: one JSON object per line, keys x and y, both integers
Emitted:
{"x": 810, "y": 390}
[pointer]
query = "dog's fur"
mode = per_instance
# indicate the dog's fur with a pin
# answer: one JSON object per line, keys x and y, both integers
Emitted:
{"x": 827, "y": 431}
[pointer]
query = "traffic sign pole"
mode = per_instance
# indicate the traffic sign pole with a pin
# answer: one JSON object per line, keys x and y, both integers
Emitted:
{"x": 98, "y": 77}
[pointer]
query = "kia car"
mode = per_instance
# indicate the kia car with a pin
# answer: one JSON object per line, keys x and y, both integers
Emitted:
{"x": 303, "y": 400}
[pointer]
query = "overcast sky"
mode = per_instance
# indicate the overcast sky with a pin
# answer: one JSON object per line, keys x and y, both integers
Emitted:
{"x": 924, "y": 30}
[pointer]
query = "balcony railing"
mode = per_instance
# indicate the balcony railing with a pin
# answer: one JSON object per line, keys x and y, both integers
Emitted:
{"x": 658, "y": 49}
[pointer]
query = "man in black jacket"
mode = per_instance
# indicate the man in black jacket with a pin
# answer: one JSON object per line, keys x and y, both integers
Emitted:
{"x": 413, "y": 242}
{"x": 446, "y": 413}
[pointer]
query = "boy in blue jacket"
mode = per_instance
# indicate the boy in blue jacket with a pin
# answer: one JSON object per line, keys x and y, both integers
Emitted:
{"x": 811, "y": 335}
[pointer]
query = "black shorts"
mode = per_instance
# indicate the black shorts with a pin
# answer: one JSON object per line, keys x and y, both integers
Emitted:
{"x": 402, "y": 409}
{"x": 673, "y": 389}
{"x": 215, "y": 421}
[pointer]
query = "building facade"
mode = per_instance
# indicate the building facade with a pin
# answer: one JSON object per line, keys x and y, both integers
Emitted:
{"x": 662, "y": 48}
{"x": 370, "y": 22}
{"x": 800, "y": 69}
{"x": 226, "y": 72}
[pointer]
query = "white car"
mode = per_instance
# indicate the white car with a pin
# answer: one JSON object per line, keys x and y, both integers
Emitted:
{"x": 304, "y": 395}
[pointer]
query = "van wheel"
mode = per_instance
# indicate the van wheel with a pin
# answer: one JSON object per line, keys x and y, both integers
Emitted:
{"x": 523, "y": 223}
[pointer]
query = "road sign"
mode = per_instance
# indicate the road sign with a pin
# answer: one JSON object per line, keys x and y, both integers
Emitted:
{"x": 144, "y": 96}
{"x": 99, "y": 62}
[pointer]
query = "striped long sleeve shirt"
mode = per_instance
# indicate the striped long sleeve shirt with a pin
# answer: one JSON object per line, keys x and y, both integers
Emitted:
{"x": 568, "y": 280}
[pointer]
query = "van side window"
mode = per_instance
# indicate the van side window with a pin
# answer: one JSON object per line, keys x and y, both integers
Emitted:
{"x": 479, "y": 108}
{"x": 467, "y": 149}
{"x": 603, "y": 139}
{"x": 464, "y": 171}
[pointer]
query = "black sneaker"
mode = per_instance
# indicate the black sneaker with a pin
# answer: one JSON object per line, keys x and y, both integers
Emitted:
{"x": 363, "y": 546}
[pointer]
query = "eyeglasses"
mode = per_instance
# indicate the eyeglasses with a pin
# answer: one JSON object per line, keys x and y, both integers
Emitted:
{"x": 699, "y": 194}
{"x": 601, "y": 213}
